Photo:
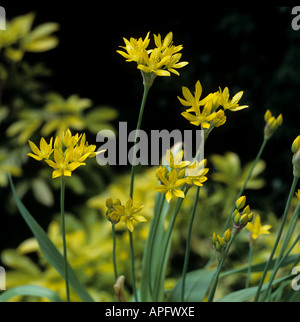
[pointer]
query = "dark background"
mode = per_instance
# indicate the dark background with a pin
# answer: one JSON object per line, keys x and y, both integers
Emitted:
{"x": 253, "y": 49}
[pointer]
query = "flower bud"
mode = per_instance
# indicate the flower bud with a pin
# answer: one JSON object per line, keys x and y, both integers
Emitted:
{"x": 227, "y": 235}
{"x": 221, "y": 241}
{"x": 296, "y": 144}
{"x": 244, "y": 220}
{"x": 250, "y": 217}
{"x": 240, "y": 203}
{"x": 237, "y": 218}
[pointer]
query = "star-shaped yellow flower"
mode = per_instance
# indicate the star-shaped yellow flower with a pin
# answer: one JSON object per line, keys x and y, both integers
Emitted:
{"x": 44, "y": 152}
{"x": 129, "y": 213}
{"x": 257, "y": 229}
{"x": 232, "y": 104}
{"x": 170, "y": 186}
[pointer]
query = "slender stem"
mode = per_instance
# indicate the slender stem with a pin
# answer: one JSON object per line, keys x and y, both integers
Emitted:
{"x": 220, "y": 265}
{"x": 114, "y": 250}
{"x": 63, "y": 231}
{"x": 246, "y": 181}
{"x": 188, "y": 244}
{"x": 145, "y": 94}
{"x": 287, "y": 206}
{"x": 146, "y": 90}
{"x": 132, "y": 265}
{"x": 165, "y": 247}
{"x": 249, "y": 261}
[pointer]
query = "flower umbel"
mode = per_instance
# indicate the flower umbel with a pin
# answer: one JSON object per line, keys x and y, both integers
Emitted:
{"x": 68, "y": 153}
{"x": 241, "y": 217}
{"x": 160, "y": 61}
{"x": 256, "y": 228}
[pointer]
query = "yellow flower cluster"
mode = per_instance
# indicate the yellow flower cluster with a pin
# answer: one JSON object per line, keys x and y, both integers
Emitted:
{"x": 68, "y": 153}
{"x": 179, "y": 173}
{"x": 128, "y": 213}
{"x": 241, "y": 217}
{"x": 161, "y": 61}
{"x": 204, "y": 112}
{"x": 272, "y": 123}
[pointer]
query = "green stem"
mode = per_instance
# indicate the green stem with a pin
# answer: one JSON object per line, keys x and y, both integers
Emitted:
{"x": 287, "y": 206}
{"x": 220, "y": 265}
{"x": 132, "y": 265}
{"x": 63, "y": 231}
{"x": 188, "y": 244}
{"x": 165, "y": 247}
{"x": 114, "y": 250}
{"x": 249, "y": 261}
{"x": 245, "y": 182}
{"x": 145, "y": 94}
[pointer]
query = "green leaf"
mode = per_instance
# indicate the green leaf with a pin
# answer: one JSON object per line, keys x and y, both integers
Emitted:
{"x": 30, "y": 290}
{"x": 247, "y": 293}
{"x": 196, "y": 286}
{"x": 49, "y": 250}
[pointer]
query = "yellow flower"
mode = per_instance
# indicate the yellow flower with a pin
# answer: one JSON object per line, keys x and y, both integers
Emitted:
{"x": 200, "y": 118}
{"x": 44, "y": 152}
{"x": 176, "y": 162}
{"x": 171, "y": 185}
{"x": 257, "y": 229}
{"x": 196, "y": 173}
{"x": 154, "y": 64}
{"x": 191, "y": 100}
{"x": 232, "y": 104}
{"x": 135, "y": 49}
{"x": 298, "y": 194}
{"x": 62, "y": 165}
{"x": 129, "y": 213}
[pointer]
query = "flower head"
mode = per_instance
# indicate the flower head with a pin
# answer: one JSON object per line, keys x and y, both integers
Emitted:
{"x": 256, "y": 228}
{"x": 128, "y": 214}
{"x": 68, "y": 154}
{"x": 160, "y": 61}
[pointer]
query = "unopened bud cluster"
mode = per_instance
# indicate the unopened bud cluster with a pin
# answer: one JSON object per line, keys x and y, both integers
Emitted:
{"x": 220, "y": 243}
{"x": 272, "y": 124}
{"x": 296, "y": 157}
{"x": 111, "y": 214}
{"x": 241, "y": 216}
